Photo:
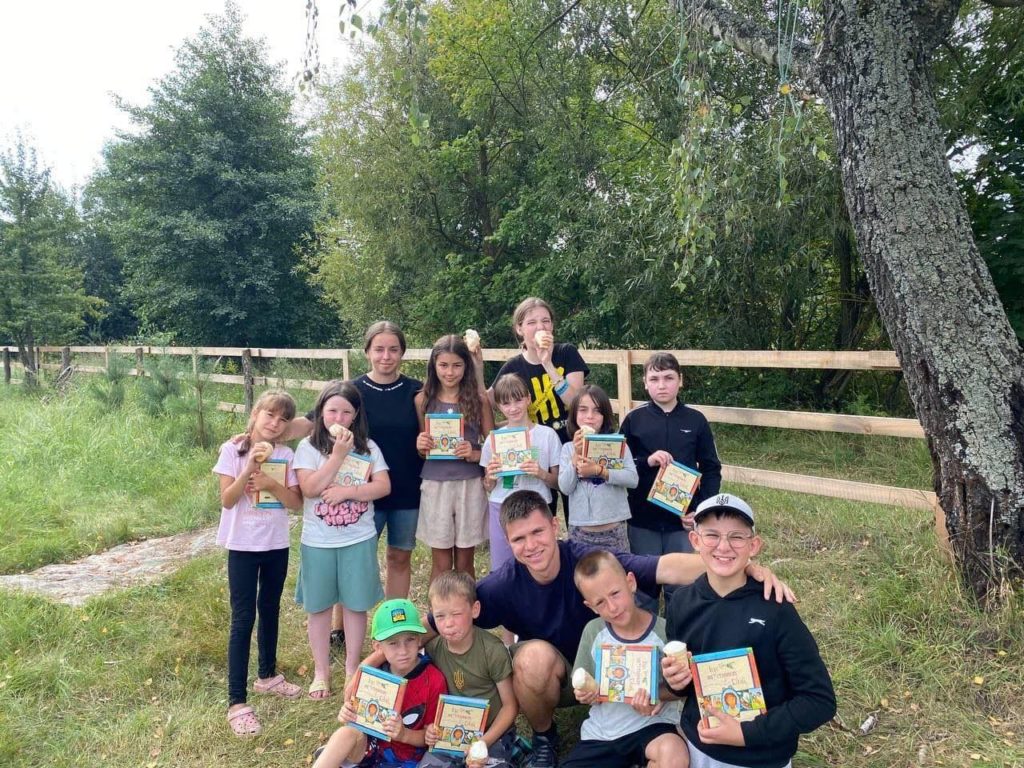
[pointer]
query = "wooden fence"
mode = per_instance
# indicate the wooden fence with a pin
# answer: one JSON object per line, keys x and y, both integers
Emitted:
{"x": 624, "y": 361}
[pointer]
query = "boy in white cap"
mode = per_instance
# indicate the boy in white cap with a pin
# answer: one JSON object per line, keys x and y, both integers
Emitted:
{"x": 723, "y": 610}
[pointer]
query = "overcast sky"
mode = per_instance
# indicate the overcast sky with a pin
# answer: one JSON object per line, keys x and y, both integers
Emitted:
{"x": 60, "y": 61}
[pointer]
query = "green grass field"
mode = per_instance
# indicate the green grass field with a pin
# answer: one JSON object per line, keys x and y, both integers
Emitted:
{"x": 137, "y": 678}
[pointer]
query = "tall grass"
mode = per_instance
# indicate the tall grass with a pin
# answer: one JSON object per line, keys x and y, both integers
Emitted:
{"x": 75, "y": 478}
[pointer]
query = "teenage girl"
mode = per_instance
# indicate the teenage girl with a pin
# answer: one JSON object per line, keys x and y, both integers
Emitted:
{"x": 453, "y": 505}
{"x": 553, "y": 372}
{"x": 339, "y": 539}
{"x": 598, "y": 503}
{"x": 256, "y": 538}
{"x": 541, "y": 471}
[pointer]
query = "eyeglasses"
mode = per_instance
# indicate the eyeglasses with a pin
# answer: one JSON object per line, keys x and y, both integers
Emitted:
{"x": 735, "y": 539}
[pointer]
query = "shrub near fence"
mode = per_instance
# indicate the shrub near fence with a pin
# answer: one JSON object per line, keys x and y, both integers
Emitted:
{"x": 624, "y": 361}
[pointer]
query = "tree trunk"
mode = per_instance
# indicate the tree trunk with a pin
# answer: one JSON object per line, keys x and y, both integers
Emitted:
{"x": 27, "y": 354}
{"x": 961, "y": 360}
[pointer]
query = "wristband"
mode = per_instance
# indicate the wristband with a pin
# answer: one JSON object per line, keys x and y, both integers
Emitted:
{"x": 561, "y": 387}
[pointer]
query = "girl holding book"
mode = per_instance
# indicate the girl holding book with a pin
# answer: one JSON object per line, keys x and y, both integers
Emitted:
{"x": 453, "y": 505}
{"x": 341, "y": 473}
{"x": 538, "y": 473}
{"x": 598, "y": 503}
{"x": 254, "y": 529}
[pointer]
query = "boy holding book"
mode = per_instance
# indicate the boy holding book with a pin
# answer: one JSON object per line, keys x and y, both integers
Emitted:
{"x": 396, "y": 632}
{"x": 724, "y": 610}
{"x": 659, "y": 432}
{"x": 475, "y": 664}
{"x": 616, "y": 734}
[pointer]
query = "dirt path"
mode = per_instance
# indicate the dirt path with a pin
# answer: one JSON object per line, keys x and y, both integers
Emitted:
{"x": 127, "y": 565}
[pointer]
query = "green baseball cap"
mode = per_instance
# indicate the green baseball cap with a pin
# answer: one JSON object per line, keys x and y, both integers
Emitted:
{"x": 395, "y": 616}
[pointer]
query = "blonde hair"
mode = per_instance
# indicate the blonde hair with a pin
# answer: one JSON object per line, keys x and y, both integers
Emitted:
{"x": 593, "y": 562}
{"x": 524, "y": 306}
{"x": 273, "y": 400}
{"x": 452, "y": 584}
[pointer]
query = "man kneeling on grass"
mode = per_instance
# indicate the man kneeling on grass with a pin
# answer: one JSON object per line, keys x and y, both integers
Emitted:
{"x": 534, "y": 597}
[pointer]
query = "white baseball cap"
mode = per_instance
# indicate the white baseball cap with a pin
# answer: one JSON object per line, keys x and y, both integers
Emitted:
{"x": 721, "y": 502}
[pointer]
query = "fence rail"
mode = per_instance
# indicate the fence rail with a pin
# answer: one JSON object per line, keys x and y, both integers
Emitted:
{"x": 624, "y": 362}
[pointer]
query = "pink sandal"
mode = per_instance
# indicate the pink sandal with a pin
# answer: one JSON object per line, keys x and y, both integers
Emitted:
{"x": 277, "y": 686}
{"x": 243, "y": 722}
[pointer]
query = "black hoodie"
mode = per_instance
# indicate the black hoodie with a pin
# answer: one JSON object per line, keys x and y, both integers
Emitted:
{"x": 797, "y": 687}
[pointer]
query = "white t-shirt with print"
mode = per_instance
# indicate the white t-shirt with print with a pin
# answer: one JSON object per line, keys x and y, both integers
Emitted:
{"x": 335, "y": 525}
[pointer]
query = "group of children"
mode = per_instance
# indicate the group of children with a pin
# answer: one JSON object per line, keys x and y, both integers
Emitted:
{"x": 722, "y": 609}
{"x": 461, "y": 506}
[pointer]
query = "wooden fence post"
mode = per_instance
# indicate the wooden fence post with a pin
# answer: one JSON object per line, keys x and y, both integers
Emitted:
{"x": 625, "y": 384}
{"x": 345, "y": 373}
{"x": 65, "y": 358}
{"x": 7, "y": 366}
{"x": 138, "y": 361}
{"x": 247, "y": 376}
{"x": 106, "y": 357}
{"x": 39, "y": 360}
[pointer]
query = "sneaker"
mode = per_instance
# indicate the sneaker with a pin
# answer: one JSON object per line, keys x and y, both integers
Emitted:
{"x": 337, "y": 638}
{"x": 545, "y": 750}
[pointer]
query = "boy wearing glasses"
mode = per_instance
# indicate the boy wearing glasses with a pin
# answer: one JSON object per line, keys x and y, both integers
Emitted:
{"x": 723, "y": 610}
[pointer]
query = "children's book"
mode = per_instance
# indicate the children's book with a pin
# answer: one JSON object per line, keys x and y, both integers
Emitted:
{"x": 275, "y": 469}
{"x": 674, "y": 487}
{"x": 607, "y": 450}
{"x": 729, "y": 681}
{"x": 621, "y": 670}
{"x": 378, "y": 697}
{"x": 355, "y": 469}
{"x": 460, "y": 721}
{"x": 447, "y": 431}
{"x": 512, "y": 447}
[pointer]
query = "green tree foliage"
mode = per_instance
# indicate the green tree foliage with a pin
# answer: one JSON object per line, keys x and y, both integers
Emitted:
{"x": 982, "y": 74}
{"x": 42, "y": 299}
{"x": 549, "y": 163}
{"x": 209, "y": 199}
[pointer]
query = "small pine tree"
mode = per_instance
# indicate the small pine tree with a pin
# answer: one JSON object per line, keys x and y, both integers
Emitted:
{"x": 109, "y": 390}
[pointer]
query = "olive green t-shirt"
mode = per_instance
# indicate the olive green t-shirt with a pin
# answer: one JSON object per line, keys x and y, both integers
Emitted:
{"x": 477, "y": 672}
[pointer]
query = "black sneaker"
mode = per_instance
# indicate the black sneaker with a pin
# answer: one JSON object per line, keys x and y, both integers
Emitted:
{"x": 545, "y": 750}
{"x": 337, "y": 638}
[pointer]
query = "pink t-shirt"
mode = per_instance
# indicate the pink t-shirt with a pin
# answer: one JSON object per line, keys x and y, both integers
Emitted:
{"x": 246, "y": 527}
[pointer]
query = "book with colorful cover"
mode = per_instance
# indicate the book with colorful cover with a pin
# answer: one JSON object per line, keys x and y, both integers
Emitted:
{"x": 729, "y": 681}
{"x": 378, "y": 697}
{"x": 355, "y": 469}
{"x": 512, "y": 447}
{"x": 276, "y": 469}
{"x": 447, "y": 431}
{"x": 607, "y": 450}
{"x": 460, "y": 721}
{"x": 674, "y": 487}
{"x": 622, "y": 669}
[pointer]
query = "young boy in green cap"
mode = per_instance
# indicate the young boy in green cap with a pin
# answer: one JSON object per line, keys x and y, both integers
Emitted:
{"x": 395, "y": 631}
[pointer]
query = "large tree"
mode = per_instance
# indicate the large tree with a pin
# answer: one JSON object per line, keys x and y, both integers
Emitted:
{"x": 42, "y": 299}
{"x": 961, "y": 360}
{"x": 209, "y": 198}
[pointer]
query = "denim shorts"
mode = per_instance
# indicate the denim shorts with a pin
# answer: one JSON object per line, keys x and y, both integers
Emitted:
{"x": 401, "y": 525}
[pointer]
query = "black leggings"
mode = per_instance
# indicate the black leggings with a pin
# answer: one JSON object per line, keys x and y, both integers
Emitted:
{"x": 255, "y": 582}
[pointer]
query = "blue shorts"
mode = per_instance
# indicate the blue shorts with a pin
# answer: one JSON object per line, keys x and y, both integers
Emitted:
{"x": 401, "y": 525}
{"x": 347, "y": 575}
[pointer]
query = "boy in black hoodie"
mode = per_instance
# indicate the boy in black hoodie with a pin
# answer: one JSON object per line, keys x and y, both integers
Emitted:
{"x": 722, "y": 610}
